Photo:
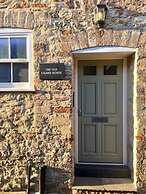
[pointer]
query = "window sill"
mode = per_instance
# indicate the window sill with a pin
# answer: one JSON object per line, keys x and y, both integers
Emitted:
{"x": 31, "y": 89}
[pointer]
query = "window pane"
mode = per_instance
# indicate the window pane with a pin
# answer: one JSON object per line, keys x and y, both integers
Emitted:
{"x": 5, "y": 72}
{"x": 18, "y": 48}
{"x": 4, "y": 53}
{"x": 90, "y": 70}
{"x": 110, "y": 70}
{"x": 20, "y": 72}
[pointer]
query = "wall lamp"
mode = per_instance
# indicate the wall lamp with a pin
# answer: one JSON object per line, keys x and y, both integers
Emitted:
{"x": 100, "y": 15}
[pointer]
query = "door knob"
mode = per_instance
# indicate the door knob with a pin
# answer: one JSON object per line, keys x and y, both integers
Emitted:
{"x": 79, "y": 112}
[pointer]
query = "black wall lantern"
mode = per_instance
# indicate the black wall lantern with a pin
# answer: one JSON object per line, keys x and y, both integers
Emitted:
{"x": 100, "y": 14}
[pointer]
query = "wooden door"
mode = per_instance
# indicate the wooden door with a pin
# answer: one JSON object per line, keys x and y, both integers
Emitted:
{"x": 100, "y": 111}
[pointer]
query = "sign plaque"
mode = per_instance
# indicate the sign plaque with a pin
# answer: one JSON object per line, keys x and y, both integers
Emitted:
{"x": 52, "y": 71}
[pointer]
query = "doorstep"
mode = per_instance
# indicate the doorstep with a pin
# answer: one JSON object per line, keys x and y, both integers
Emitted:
{"x": 104, "y": 184}
{"x": 102, "y": 171}
{"x": 13, "y": 192}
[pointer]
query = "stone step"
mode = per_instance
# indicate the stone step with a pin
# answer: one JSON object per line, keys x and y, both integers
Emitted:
{"x": 101, "y": 192}
{"x": 14, "y": 192}
{"x": 87, "y": 185}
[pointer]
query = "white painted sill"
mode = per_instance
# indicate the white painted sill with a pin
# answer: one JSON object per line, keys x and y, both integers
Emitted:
{"x": 31, "y": 89}
{"x": 17, "y": 87}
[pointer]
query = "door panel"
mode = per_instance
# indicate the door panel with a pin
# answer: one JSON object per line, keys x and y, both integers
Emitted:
{"x": 89, "y": 100}
{"x": 112, "y": 133}
{"x": 110, "y": 97}
{"x": 100, "y": 111}
{"x": 110, "y": 139}
{"x": 89, "y": 135}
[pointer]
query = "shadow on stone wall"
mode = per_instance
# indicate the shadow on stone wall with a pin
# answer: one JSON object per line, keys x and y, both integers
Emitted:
{"x": 56, "y": 180}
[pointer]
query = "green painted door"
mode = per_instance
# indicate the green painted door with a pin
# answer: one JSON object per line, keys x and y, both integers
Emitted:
{"x": 100, "y": 111}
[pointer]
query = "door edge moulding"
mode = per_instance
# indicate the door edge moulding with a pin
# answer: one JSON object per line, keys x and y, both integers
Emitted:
{"x": 105, "y": 52}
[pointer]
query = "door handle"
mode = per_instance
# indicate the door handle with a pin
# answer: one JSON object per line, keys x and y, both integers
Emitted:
{"x": 79, "y": 112}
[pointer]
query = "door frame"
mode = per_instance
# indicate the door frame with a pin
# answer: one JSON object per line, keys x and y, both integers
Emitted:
{"x": 104, "y": 56}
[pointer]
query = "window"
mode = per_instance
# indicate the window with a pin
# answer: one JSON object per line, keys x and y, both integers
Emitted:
{"x": 15, "y": 60}
{"x": 90, "y": 70}
{"x": 110, "y": 70}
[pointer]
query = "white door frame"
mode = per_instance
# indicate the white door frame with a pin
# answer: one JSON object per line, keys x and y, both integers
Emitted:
{"x": 109, "y": 55}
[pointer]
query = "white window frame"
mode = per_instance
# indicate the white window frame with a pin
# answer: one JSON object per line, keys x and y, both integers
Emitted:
{"x": 19, "y": 86}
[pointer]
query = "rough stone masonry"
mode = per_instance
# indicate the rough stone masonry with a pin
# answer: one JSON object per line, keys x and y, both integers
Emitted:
{"x": 37, "y": 126}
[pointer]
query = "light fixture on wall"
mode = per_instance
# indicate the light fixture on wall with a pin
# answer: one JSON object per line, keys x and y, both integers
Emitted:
{"x": 100, "y": 14}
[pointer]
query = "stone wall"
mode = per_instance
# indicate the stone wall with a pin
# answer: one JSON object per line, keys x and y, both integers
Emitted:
{"x": 37, "y": 126}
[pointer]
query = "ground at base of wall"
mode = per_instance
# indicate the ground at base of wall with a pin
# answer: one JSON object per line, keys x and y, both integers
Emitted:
{"x": 102, "y": 192}
{"x": 103, "y": 186}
